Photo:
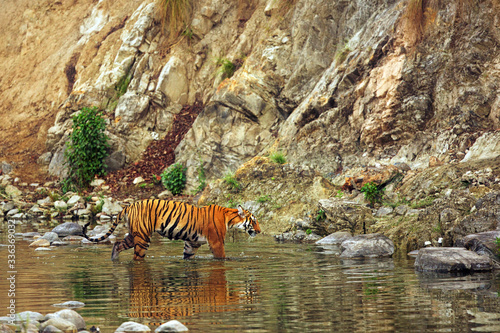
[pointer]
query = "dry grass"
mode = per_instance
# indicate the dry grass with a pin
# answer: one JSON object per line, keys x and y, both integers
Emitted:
{"x": 174, "y": 15}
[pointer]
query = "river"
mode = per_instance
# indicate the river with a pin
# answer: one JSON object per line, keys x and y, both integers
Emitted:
{"x": 263, "y": 286}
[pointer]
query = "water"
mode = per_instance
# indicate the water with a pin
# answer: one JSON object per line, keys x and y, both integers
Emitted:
{"x": 263, "y": 287}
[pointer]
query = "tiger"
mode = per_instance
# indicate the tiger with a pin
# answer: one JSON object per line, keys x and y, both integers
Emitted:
{"x": 178, "y": 220}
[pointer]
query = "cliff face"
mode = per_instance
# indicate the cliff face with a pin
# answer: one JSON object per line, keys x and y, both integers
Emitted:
{"x": 334, "y": 84}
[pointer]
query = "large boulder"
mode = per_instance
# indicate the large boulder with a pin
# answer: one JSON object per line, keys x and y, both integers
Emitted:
{"x": 67, "y": 229}
{"x": 451, "y": 259}
{"x": 343, "y": 215}
{"x": 367, "y": 246}
{"x": 484, "y": 243}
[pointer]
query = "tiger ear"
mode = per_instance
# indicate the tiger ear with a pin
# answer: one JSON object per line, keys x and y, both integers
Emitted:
{"x": 241, "y": 213}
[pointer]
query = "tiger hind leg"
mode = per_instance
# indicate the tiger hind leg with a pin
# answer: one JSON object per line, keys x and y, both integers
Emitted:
{"x": 190, "y": 248}
{"x": 125, "y": 244}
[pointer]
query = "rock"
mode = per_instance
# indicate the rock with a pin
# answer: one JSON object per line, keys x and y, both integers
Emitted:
{"x": 115, "y": 161}
{"x": 67, "y": 229}
{"x": 4, "y": 328}
{"x": 6, "y": 168}
{"x": 73, "y": 238}
{"x": 384, "y": 211}
{"x": 70, "y": 305}
{"x": 450, "y": 259}
{"x": 41, "y": 249}
{"x": 172, "y": 81}
{"x": 484, "y": 243}
{"x": 74, "y": 200}
{"x": 401, "y": 209}
{"x": 130, "y": 326}
{"x": 7, "y": 206}
{"x": 60, "y": 205}
{"x": 19, "y": 216}
{"x": 45, "y": 158}
{"x": 367, "y": 246}
{"x": 50, "y": 236}
{"x": 110, "y": 208}
{"x": 486, "y": 146}
{"x": 28, "y": 316}
{"x": 73, "y": 317}
{"x": 59, "y": 323}
{"x": 12, "y": 212}
{"x": 40, "y": 242}
{"x": 380, "y": 175}
{"x": 97, "y": 183}
{"x": 165, "y": 194}
{"x": 12, "y": 191}
{"x": 172, "y": 326}
{"x": 335, "y": 239}
{"x": 343, "y": 215}
{"x": 44, "y": 202}
{"x": 138, "y": 180}
{"x": 51, "y": 329}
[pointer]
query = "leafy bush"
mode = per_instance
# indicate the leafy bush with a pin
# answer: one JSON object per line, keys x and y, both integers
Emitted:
{"x": 86, "y": 149}
{"x": 372, "y": 193}
{"x": 174, "y": 178}
{"x": 278, "y": 157}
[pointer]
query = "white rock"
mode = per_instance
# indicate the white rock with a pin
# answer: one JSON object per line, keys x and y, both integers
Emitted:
{"x": 12, "y": 191}
{"x": 172, "y": 326}
{"x": 138, "y": 180}
{"x": 130, "y": 326}
{"x": 60, "y": 205}
{"x": 74, "y": 199}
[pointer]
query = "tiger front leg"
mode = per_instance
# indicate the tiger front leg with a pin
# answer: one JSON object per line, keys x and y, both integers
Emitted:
{"x": 217, "y": 248}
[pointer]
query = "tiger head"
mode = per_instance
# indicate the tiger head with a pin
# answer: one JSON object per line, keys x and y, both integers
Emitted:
{"x": 249, "y": 222}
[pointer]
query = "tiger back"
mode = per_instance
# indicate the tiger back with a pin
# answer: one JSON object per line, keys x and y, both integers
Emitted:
{"x": 178, "y": 220}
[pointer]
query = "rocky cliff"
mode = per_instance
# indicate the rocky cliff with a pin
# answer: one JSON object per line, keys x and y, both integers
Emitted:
{"x": 335, "y": 85}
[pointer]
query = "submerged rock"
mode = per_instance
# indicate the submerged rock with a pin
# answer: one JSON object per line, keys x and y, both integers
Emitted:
{"x": 70, "y": 304}
{"x": 451, "y": 259}
{"x": 367, "y": 246}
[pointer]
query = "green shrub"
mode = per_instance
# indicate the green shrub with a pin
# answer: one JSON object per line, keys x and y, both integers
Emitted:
{"x": 278, "y": 157}
{"x": 372, "y": 193}
{"x": 174, "y": 178}
{"x": 226, "y": 67}
{"x": 86, "y": 150}
{"x": 231, "y": 181}
{"x": 320, "y": 215}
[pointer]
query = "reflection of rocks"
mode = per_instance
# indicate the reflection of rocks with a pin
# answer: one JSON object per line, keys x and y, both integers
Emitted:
{"x": 479, "y": 282}
{"x": 449, "y": 259}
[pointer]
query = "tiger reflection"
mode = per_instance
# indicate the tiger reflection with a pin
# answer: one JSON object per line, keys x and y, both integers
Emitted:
{"x": 182, "y": 292}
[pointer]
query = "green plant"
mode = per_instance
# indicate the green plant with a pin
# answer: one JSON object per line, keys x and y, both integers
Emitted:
{"x": 372, "y": 193}
{"x": 231, "y": 181}
{"x": 202, "y": 177}
{"x": 278, "y": 157}
{"x": 225, "y": 67}
{"x": 174, "y": 14}
{"x": 341, "y": 55}
{"x": 339, "y": 194}
{"x": 86, "y": 149}
{"x": 426, "y": 202}
{"x": 320, "y": 215}
{"x": 174, "y": 178}
{"x": 497, "y": 243}
{"x": 308, "y": 231}
{"x": 264, "y": 198}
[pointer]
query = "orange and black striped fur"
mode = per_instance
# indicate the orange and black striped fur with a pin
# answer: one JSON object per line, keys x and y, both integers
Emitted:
{"x": 178, "y": 220}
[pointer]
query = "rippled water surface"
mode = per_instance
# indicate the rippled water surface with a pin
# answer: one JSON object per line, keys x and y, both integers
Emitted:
{"x": 263, "y": 287}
